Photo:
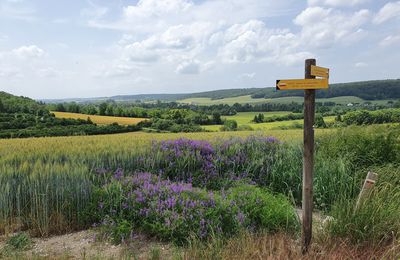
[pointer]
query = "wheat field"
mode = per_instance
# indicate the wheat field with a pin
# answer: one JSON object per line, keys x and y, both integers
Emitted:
{"x": 101, "y": 120}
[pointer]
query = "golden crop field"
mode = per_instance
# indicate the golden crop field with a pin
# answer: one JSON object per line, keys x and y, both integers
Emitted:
{"x": 101, "y": 120}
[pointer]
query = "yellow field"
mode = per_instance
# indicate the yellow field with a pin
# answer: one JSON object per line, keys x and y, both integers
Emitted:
{"x": 101, "y": 120}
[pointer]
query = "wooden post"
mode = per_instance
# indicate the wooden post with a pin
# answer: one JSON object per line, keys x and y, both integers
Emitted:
{"x": 308, "y": 159}
{"x": 368, "y": 185}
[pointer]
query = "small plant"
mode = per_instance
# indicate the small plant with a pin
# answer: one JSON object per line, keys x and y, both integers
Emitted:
{"x": 20, "y": 241}
{"x": 155, "y": 253}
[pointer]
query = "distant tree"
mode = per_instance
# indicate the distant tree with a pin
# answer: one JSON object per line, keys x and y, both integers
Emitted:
{"x": 216, "y": 118}
{"x": 60, "y": 107}
{"x": 102, "y": 109}
{"x": 2, "y": 109}
{"x": 110, "y": 110}
{"x": 91, "y": 110}
{"x": 258, "y": 118}
{"x": 319, "y": 121}
{"x": 229, "y": 125}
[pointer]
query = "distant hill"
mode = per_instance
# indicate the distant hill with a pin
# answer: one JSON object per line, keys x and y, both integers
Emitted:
{"x": 14, "y": 104}
{"x": 25, "y": 117}
{"x": 367, "y": 90}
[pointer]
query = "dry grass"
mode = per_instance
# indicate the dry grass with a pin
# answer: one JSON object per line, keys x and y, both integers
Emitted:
{"x": 281, "y": 246}
{"x": 101, "y": 120}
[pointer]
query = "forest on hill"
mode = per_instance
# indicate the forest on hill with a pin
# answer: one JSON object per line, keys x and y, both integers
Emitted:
{"x": 24, "y": 117}
{"x": 368, "y": 90}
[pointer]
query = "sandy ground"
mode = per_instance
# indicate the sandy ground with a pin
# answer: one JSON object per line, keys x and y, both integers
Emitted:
{"x": 83, "y": 245}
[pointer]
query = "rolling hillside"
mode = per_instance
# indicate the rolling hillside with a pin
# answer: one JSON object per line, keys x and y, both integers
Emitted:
{"x": 363, "y": 91}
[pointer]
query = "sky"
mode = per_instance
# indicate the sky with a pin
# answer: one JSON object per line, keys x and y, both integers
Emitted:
{"x": 96, "y": 48}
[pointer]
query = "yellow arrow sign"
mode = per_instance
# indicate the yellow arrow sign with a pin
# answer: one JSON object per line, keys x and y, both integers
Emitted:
{"x": 301, "y": 84}
{"x": 319, "y": 72}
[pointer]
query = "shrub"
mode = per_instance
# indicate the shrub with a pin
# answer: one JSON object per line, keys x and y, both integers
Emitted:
{"x": 177, "y": 211}
{"x": 20, "y": 241}
{"x": 229, "y": 125}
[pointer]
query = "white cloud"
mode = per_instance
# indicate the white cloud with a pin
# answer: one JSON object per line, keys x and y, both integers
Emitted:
{"x": 324, "y": 27}
{"x": 336, "y": 3}
{"x": 31, "y": 51}
{"x": 189, "y": 67}
{"x": 360, "y": 65}
{"x": 390, "y": 40}
{"x": 155, "y": 15}
{"x": 94, "y": 11}
{"x": 138, "y": 52}
{"x": 253, "y": 41}
{"x": 388, "y": 11}
{"x": 193, "y": 66}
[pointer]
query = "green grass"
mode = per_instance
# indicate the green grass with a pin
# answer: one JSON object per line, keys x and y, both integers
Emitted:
{"x": 343, "y": 100}
{"x": 244, "y": 118}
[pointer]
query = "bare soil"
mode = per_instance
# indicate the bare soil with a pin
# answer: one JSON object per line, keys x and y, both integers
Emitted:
{"x": 85, "y": 245}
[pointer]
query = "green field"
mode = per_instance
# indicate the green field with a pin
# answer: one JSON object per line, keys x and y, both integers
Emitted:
{"x": 283, "y": 100}
{"x": 244, "y": 118}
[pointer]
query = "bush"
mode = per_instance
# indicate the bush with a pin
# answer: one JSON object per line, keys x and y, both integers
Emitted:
{"x": 20, "y": 241}
{"x": 177, "y": 211}
{"x": 229, "y": 125}
{"x": 365, "y": 117}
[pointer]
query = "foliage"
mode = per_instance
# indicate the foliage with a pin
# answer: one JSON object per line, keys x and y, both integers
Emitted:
{"x": 176, "y": 211}
{"x": 20, "y": 241}
{"x": 14, "y": 104}
{"x": 214, "y": 166}
{"x": 229, "y": 125}
{"x": 376, "y": 219}
{"x": 319, "y": 121}
{"x": 364, "y": 117}
{"x": 24, "y": 117}
{"x": 369, "y": 90}
{"x": 52, "y": 185}
{"x": 261, "y": 119}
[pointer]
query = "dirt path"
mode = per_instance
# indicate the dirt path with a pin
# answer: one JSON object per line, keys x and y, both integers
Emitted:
{"x": 83, "y": 245}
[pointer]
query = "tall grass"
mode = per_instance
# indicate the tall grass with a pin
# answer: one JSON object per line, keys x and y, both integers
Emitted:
{"x": 46, "y": 183}
{"x": 377, "y": 218}
{"x": 44, "y": 198}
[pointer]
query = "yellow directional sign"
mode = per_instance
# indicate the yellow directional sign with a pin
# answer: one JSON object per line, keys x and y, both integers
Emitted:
{"x": 301, "y": 84}
{"x": 319, "y": 72}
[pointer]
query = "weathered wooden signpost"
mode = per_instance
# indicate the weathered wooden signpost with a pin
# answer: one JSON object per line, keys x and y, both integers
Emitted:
{"x": 309, "y": 84}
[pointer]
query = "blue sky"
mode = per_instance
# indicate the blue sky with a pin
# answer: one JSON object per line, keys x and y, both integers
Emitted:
{"x": 82, "y": 48}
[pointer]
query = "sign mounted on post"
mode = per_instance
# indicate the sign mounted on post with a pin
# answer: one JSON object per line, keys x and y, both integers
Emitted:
{"x": 301, "y": 84}
{"x": 309, "y": 84}
{"x": 319, "y": 72}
